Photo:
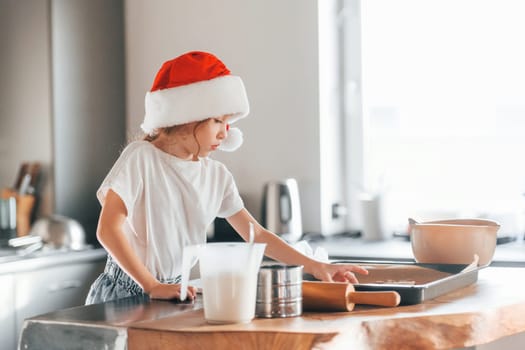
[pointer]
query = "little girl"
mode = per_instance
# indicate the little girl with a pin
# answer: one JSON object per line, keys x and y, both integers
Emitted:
{"x": 164, "y": 191}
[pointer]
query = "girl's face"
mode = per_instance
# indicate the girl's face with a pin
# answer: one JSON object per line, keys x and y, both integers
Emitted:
{"x": 209, "y": 135}
{"x": 194, "y": 140}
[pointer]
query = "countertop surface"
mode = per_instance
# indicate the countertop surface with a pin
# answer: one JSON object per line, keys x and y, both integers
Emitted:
{"x": 13, "y": 262}
{"x": 491, "y": 308}
{"x": 508, "y": 254}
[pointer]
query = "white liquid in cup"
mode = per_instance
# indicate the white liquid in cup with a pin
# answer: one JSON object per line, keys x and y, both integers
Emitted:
{"x": 229, "y": 279}
{"x": 229, "y": 297}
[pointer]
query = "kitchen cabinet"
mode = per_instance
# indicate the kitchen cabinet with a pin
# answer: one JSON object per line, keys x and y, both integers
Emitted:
{"x": 35, "y": 285}
{"x": 7, "y": 312}
{"x": 52, "y": 288}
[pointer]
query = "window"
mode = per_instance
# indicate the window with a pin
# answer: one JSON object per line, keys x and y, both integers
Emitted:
{"x": 437, "y": 91}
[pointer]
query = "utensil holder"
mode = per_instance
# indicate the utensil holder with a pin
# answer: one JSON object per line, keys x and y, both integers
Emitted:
{"x": 7, "y": 219}
{"x": 24, "y": 209}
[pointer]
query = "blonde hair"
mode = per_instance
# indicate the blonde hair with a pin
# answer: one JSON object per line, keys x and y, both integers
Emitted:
{"x": 181, "y": 129}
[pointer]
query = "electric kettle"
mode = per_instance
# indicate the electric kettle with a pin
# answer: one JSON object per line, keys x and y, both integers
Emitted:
{"x": 281, "y": 209}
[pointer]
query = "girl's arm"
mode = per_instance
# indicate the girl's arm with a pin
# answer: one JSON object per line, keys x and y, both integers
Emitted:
{"x": 279, "y": 250}
{"x": 112, "y": 238}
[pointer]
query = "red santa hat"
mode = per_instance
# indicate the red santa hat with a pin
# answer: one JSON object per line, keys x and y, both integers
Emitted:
{"x": 193, "y": 87}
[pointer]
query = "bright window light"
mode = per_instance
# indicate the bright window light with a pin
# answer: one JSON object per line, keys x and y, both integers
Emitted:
{"x": 443, "y": 107}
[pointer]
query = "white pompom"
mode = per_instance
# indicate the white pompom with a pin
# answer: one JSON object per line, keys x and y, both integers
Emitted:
{"x": 232, "y": 141}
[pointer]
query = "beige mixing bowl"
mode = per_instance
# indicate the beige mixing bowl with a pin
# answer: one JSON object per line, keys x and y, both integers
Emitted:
{"x": 453, "y": 241}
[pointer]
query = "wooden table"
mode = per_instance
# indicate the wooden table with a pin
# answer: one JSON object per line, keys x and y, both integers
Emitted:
{"x": 492, "y": 308}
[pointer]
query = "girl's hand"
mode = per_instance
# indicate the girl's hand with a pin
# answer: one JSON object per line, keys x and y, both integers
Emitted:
{"x": 337, "y": 272}
{"x": 170, "y": 291}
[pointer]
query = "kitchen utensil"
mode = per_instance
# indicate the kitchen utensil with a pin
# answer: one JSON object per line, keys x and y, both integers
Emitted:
{"x": 281, "y": 209}
{"x": 229, "y": 279}
{"x": 414, "y": 282}
{"x": 7, "y": 219}
{"x": 28, "y": 178}
{"x": 473, "y": 265}
{"x": 339, "y": 296}
{"x": 60, "y": 232}
{"x": 279, "y": 291}
{"x": 24, "y": 241}
{"x": 24, "y": 186}
{"x": 453, "y": 241}
{"x": 251, "y": 237}
{"x": 26, "y": 245}
{"x": 22, "y": 171}
{"x": 24, "y": 208}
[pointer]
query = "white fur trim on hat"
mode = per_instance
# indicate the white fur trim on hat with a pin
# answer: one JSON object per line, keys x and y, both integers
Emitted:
{"x": 195, "y": 102}
{"x": 233, "y": 141}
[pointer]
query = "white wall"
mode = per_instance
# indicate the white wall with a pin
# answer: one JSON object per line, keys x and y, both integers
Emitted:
{"x": 273, "y": 45}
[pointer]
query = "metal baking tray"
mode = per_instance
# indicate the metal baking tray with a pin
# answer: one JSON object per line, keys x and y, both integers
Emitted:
{"x": 414, "y": 282}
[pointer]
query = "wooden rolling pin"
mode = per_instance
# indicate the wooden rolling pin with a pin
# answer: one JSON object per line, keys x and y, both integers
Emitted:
{"x": 338, "y": 296}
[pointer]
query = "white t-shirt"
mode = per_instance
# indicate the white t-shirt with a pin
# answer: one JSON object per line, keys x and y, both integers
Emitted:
{"x": 170, "y": 202}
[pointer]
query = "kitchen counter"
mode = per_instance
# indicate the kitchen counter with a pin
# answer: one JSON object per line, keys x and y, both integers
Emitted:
{"x": 11, "y": 262}
{"x": 507, "y": 255}
{"x": 492, "y": 308}
{"x": 42, "y": 281}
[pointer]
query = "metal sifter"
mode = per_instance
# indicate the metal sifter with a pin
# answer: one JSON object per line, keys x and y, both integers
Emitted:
{"x": 279, "y": 291}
